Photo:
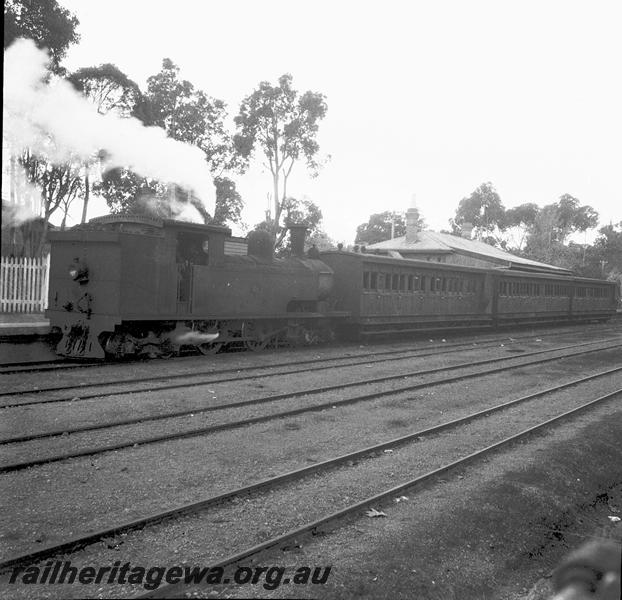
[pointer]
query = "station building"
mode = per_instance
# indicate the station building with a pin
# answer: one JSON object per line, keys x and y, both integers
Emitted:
{"x": 457, "y": 250}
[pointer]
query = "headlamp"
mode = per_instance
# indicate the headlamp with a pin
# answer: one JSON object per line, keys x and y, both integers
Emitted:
{"x": 79, "y": 272}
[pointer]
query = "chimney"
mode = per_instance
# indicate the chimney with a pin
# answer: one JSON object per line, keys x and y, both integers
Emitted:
{"x": 467, "y": 230}
{"x": 297, "y": 235}
{"x": 412, "y": 216}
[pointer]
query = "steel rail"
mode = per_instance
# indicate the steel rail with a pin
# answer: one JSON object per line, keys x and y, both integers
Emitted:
{"x": 199, "y": 410}
{"x": 187, "y": 384}
{"x": 10, "y": 368}
{"x": 167, "y": 590}
{"x": 442, "y": 348}
{"x": 79, "y": 542}
{"x": 43, "y": 366}
{"x": 18, "y": 466}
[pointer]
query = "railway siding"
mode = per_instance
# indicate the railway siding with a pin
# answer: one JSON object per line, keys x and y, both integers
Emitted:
{"x": 229, "y": 459}
{"x": 238, "y": 525}
{"x": 126, "y": 436}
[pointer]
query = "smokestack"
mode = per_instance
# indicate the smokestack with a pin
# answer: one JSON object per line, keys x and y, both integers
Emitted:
{"x": 412, "y": 216}
{"x": 297, "y": 235}
{"x": 467, "y": 230}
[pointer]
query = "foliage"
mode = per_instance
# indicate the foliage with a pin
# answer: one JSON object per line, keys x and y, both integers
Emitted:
{"x": 126, "y": 192}
{"x": 283, "y": 125}
{"x": 108, "y": 88}
{"x": 605, "y": 255}
{"x": 304, "y": 212}
{"x": 484, "y": 210}
{"x": 378, "y": 228}
{"x": 45, "y": 22}
{"x": 321, "y": 240}
{"x": 189, "y": 115}
{"x": 552, "y": 226}
{"x": 523, "y": 215}
{"x": 520, "y": 220}
{"x": 59, "y": 184}
{"x": 229, "y": 203}
{"x": 571, "y": 217}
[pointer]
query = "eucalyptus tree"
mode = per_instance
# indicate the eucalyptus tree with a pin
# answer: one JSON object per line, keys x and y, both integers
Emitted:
{"x": 48, "y": 24}
{"x": 282, "y": 124}
{"x": 190, "y": 115}
{"x": 111, "y": 91}
{"x": 484, "y": 210}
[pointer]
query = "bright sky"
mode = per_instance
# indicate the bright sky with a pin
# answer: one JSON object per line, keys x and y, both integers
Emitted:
{"x": 429, "y": 98}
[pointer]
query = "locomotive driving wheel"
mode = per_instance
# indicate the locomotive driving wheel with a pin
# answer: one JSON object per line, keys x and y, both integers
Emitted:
{"x": 257, "y": 335}
{"x": 206, "y": 348}
{"x": 209, "y": 348}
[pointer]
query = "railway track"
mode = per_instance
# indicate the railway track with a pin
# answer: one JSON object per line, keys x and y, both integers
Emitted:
{"x": 42, "y": 366}
{"x": 377, "y": 500}
{"x": 65, "y": 364}
{"x": 237, "y": 374}
{"x": 79, "y": 542}
{"x": 332, "y": 403}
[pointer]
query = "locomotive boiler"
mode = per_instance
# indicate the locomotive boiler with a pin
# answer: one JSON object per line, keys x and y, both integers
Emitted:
{"x": 131, "y": 285}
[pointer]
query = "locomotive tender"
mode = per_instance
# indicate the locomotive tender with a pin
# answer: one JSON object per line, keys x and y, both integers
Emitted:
{"x": 126, "y": 285}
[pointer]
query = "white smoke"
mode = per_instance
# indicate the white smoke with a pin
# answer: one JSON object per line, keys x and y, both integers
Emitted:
{"x": 34, "y": 110}
{"x": 168, "y": 207}
{"x": 15, "y": 182}
{"x": 194, "y": 338}
{"x": 14, "y": 215}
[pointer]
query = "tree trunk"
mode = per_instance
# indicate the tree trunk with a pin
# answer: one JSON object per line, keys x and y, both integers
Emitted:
{"x": 86, "y": 197}
{"x": 44, "y": 235}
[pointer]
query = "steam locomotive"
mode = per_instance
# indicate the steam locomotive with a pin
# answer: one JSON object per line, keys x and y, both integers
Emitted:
{"x": 134, "y": 285}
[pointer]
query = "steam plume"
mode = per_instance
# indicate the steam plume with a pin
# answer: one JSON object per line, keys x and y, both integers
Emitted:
{"x": 194, "y": 338}
{"x": 34, "y": 109}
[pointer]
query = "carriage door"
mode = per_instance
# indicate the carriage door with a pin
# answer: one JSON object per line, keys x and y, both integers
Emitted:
{"x": 191, "y": 250}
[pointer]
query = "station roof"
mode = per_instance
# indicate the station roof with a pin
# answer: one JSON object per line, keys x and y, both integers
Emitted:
{"x": 432, "y": 242}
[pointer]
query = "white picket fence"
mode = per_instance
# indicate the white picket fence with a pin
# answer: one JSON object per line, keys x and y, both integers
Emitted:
{"x": 24, "y": 284}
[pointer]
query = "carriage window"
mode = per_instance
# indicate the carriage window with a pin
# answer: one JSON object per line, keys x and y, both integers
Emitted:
{"x": 444, "y": 284}
{"x": 396, "y": 282}
{"x": 373, "y": 284}
{"x": 365, "y": 280}
{"x": 422, "y": 283}
{"x": 402, "y": 283}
